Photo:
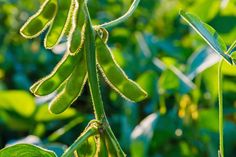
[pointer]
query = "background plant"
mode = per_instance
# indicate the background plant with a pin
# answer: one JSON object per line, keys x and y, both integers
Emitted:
{"x": 190, "y": 112}
{"x": 217, "y": 44}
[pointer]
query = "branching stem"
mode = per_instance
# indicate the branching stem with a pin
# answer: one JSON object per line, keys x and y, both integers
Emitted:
{"x": 94, "y": 85}
{"x": 92, "y": 71}
{"x": 229, "y": 51}
{"x": 80, "y": 140}
{"x": 124, "y": 17}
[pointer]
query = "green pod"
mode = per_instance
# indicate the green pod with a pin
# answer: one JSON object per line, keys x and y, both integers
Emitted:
{"x": 88, "y": 148}
{"x": 76, "y": 39}
{"x": 115, "y": 76}
{"x": 103, "y": 33}
{"x": 60, "y": 73}
{"x": 111, "y": 146}
{"x": 60, "y": 23}
{"x": 112, "y": 152}
{"x": 72, "y": 90}
{"x": 70, "y": 25}
{"x": 35, "y": 86}
{"x": 102, "y": 151}
{"x": 37, "y": 23}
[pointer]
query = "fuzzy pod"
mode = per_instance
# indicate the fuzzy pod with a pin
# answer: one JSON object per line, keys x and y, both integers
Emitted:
{"x": 37, "y": 23}
{"x": 115, "y": 76}
{"x": 60, "y": 73}
{"x": 76, "y": 37}
{"x": 102, "y": 150}
{"x": 60, "y": 23}
{"x": 88, "y": 148}
{"x": 112, "y": 149}
{"x": 72, "y": 90}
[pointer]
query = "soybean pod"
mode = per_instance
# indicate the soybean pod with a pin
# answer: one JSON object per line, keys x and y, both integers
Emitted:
{"x": 102, "y": 150}
{"x": 35, "y": 86}
{"x": 88, "y": 148}
{"x": 37, "y": 23}
{"x": 60, "y": 73}
{"x": 72, "y": 90}
{"x": 60, "y": 23}
{"x": 76, "y": 39}
{"x": 90, "y": 56}
{"x": 111, "y": 149}
{"x": 103, "y": 33}
{"x": 115, "y": 76}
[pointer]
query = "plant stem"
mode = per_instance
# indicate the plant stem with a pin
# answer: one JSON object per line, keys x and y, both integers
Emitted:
{"x": 231, "y": 48}
{"x": 124, "y": 17}
{"x": 90, "y": 55}
{"x": 221, "y": 119}
{"x": 58, "y": 133}
{"x": 93, "y": 81}
{"x": 84, "y": 136}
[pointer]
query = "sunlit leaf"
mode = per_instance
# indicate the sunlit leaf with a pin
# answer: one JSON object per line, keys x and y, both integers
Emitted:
{"x": 148, "y": 82}
{"x": 25, "y": 150}
{"x": 142, "y": 134}
{"x": 208, "y": 34}
{"x": 19, "y": 101}
{"x": 168, "y": 82}
{"x": 43, "y": 114}
{"x": 206, "y": 116}
{"x": 200, "y": 61}
{"x": 173, "y": 80}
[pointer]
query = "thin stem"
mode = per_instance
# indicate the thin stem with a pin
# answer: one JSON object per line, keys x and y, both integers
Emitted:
{"x": 231, "y": 48}
{"x": 221, "y": 119}
{"x": 80, "y": 140}
{"x": 124, "y": 17}
{"x": 90, "y": 54}
{"x": 57, "y": 134}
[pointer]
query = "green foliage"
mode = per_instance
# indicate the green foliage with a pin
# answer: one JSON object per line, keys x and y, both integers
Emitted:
{"x": 208, "y": 34}
{"x": 217, "y": 43}
{"x": 153, "y": 46}
{"x": 21, "y": 150}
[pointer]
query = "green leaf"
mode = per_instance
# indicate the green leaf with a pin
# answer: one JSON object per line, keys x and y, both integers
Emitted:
{"x": 200, "y": 61}
{"x": 206, "y": 116}
{"x": 20, "y": 102}
{"x": 142, "y": 135}
{"x": 208, "y": 34}
{"x": 233, "y": 55}
{"x": 42, "y": 114}
{"x": 25, "y": 150}
{"x": 148, "y": 82}
{"x": 168, "y": 81}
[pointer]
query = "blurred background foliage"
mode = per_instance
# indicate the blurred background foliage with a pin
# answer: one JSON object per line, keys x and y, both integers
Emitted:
{"x": 158, "y": 50}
